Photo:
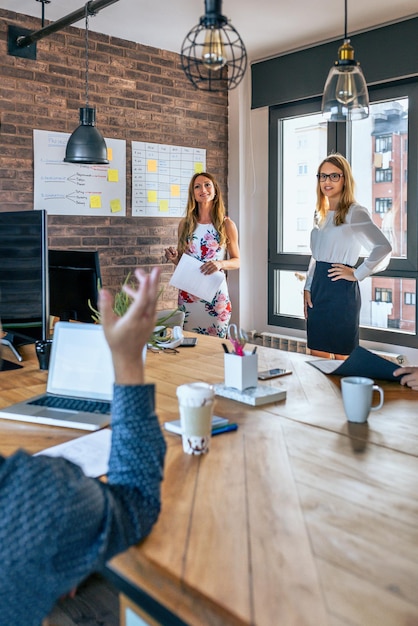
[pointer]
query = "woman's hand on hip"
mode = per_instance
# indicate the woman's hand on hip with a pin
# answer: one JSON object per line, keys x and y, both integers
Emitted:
{"x": 339, "y": 271}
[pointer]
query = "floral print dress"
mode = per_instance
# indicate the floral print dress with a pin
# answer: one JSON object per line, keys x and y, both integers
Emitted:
{"x": 206, "y": 318}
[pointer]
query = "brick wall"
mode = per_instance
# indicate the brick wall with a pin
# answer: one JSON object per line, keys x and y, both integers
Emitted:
{"x": 141, "y": 94}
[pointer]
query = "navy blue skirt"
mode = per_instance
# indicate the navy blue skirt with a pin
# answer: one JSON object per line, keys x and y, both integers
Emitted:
{"x": 333, "y": 322}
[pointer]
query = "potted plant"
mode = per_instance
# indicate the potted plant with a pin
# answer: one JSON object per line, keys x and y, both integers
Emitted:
{"x": 122, "y": 301}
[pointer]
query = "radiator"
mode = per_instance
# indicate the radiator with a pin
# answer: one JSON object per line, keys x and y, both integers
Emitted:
{"x": 296, "y": 344}
{"x": 281, "y": 342}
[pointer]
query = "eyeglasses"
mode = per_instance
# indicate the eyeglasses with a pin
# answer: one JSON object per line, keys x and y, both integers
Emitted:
{"x": 159, "y": 349}
{"x": 334, "y": 177}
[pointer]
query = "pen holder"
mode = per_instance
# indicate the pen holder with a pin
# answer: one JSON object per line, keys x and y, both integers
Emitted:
{"x": 240, "y": 372}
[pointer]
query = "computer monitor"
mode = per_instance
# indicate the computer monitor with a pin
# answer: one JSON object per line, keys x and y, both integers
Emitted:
{"x": 24, "y": 307}
{"x": 74, "y": 281}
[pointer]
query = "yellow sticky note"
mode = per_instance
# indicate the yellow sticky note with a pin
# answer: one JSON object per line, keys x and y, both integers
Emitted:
{"x": 164, "y": 205}
{"x": 112, "y": 176}
{"x": 152, "y": 165}
{"x": 198, "y": 167}
{"x": 115, "y": 206}
{"x": 175, "y": 191}
{"x": 152, "y": 196}
{"x": 110, "y": 154}
{"x": 95, "y": 202}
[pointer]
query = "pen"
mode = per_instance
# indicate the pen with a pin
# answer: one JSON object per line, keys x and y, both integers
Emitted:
{"x": 225, "y": 347}
{"x": 224, "y": 429}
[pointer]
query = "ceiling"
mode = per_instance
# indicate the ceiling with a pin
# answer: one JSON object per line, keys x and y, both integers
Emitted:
{"x": 267, "y": 27}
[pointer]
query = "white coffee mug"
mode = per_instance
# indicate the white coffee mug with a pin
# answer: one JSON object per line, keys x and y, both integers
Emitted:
{"x": 357, "y": 393}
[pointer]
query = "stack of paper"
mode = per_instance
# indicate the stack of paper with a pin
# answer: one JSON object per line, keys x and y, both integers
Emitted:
{"x": 255, "y": 396}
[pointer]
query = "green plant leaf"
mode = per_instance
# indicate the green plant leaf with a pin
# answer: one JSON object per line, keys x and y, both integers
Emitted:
{"x": 121, "y": 304}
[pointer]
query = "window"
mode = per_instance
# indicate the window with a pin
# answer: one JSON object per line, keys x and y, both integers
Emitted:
{"x": 383, "y": 176}
{"x": 382, "y": 295}
{"x": 384, "y": 143}
{"x": 382, "y": 205}
{"x": 382, "y": 150}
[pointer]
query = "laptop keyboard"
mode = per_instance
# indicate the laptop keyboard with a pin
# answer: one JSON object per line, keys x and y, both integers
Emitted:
{"x": 74, "y": 404}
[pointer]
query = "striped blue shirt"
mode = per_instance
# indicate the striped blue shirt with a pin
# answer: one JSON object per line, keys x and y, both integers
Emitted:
{"x": 57, "y": 526}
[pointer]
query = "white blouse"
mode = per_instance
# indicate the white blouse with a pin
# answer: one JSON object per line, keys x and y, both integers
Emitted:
{"x": 343, "y": 244}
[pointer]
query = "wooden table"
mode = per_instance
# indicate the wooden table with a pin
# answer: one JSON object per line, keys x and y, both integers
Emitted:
{"x": 295, "y": 519}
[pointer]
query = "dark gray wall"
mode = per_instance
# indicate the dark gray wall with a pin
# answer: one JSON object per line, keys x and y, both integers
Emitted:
{"x": 386, "y": 53}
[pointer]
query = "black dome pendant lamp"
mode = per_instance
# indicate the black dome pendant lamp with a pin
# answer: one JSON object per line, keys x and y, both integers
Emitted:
{"x": 86, "y": 144}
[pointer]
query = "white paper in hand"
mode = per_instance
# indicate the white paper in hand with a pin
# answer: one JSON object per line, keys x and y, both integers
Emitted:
{"x": 188, "y": 277}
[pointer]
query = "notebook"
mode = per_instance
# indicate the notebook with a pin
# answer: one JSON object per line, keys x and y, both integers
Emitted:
{"x": 80, "y": 382}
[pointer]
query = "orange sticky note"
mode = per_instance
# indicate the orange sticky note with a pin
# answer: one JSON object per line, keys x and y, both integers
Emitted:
{"x": 175, "y": 191}
{"x": 152, "y": 165}
{"x": 110, "y": 154}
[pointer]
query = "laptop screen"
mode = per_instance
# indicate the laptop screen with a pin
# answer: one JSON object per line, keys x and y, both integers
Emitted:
{"x": 81, "y": 362}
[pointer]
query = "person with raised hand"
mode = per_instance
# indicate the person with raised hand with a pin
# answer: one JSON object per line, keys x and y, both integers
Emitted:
{"x": 57, "y": 525}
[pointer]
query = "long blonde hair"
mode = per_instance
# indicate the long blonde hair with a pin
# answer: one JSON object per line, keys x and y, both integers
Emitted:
{"x": 347, "y": 194}
{"x": 192, "y": 211}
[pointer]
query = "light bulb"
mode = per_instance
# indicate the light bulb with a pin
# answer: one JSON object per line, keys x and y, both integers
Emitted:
{"x": 346, "y": 90}
{"x": 213, "y": 55}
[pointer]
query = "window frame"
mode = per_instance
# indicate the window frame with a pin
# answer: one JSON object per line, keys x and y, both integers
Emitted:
{"x": 338, "y": 140}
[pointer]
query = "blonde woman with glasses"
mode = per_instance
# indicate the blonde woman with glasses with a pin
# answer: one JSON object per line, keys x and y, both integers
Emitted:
{"x": 342, "y": 227}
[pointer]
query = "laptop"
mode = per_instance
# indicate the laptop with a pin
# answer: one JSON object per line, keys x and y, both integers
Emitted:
{"x": 80, "y": 382}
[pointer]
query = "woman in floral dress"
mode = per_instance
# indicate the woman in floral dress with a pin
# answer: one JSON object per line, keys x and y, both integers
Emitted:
{"x": 207, "y": 234}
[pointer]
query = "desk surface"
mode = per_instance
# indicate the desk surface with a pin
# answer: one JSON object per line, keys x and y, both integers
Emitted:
{"x": 295, "y": 519}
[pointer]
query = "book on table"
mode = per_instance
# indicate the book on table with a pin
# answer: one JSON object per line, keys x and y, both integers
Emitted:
{"x": 254, "y": 396}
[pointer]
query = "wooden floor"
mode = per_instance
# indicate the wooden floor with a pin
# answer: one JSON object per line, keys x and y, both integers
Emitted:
{"x": 96, "y": 603}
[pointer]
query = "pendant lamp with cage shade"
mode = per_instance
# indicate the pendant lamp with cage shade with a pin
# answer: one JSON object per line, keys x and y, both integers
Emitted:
{"x": 213, "y": 55}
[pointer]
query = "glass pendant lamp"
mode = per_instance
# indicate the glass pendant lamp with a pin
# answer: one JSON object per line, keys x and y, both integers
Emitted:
{"x": 345, "y": 96}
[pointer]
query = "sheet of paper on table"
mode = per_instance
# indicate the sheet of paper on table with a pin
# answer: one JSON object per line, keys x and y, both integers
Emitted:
{"x": 188, "y": 277}
{"x": 361, "y": 362}
{"x": 90, "y": 452}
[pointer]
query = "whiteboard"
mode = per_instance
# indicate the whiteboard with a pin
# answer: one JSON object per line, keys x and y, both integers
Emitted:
{"x": 160, "y": 177}
{"x": 77, "y": 189}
